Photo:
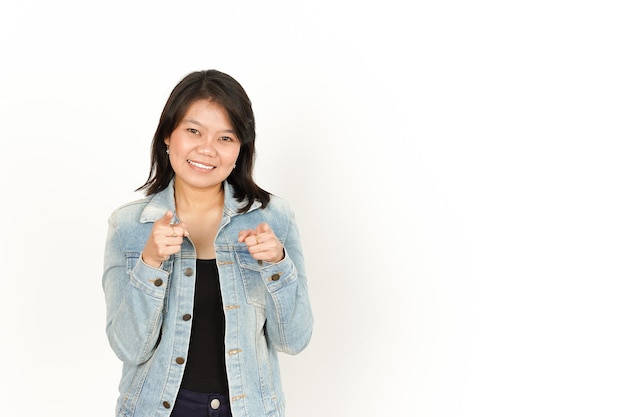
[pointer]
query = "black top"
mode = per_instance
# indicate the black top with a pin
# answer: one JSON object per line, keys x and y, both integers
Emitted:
{"x": 206, "y": 364}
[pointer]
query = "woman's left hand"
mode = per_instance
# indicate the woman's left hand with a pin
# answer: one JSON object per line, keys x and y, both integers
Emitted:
{"x": 262, "y": 243}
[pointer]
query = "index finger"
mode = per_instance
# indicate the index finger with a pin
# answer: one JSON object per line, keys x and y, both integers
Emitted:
{"x": 166, "y": 219}
{"x": 263, "y": 228}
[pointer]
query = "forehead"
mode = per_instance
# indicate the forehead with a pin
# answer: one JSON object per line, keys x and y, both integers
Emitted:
{"x": 205, "y": 105}
{"x": 205, "y": 111}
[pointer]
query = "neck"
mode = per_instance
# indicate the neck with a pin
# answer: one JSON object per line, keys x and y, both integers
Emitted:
{"x": 193, "y": 199}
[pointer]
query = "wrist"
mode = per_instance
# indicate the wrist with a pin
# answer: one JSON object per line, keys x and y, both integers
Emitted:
{"x": 150, "y": 262}
{"x": 280, "y": 258}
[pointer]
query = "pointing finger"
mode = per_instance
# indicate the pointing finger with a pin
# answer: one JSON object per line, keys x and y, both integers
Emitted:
{"x": 263, "y": 228}
{"x": 166, "y": 219}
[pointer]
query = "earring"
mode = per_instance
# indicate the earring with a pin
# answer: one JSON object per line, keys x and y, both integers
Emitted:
{"x": 167, "y": 150}
{"x": 234, "y": 165}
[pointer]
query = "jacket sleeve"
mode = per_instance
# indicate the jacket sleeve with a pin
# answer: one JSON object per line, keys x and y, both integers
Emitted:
{"x": 288, "y": 311}
{"x": 134, "y": 294}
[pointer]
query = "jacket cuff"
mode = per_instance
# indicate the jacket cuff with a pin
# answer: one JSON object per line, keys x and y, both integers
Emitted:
{"x": 149, "y": 280}
{"x": 280, "y": 274}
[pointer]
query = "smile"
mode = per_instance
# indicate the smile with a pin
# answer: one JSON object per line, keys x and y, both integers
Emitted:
{"x": 199, "y": 165}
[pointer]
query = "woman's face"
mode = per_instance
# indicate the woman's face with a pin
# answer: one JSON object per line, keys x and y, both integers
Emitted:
{"x": 203, "y": 148}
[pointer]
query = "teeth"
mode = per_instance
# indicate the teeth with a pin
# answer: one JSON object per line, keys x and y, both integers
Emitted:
{"x": 196, "y": 164}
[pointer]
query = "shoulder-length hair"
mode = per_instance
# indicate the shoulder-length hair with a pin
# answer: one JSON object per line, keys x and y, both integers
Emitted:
{"x": 224, "y": 90}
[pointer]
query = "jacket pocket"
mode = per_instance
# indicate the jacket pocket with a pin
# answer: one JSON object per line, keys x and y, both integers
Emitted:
{"x": 131, "y": 260}
{"x": 251, "y": 276}
{"x": 132, "y": 393}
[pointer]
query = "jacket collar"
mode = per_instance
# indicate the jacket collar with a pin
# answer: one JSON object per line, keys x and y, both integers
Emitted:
{"x": 164, "y": 200}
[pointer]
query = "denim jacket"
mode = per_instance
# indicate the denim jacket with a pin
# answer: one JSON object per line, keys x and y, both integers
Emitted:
{"x": 148, "y": 310}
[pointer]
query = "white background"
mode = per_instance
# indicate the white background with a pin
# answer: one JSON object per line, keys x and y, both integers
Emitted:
{"x": 457, "y": 171}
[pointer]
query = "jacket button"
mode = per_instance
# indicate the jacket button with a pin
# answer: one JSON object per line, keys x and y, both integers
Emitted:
{"x": 158, "y": 282}
{"x": 275, "y": 277}
{"x": 188, "y": 272}
{"x": 260, "y": 262}
{"x": 180, "y": 361}
{"x": 166, "y": 404}
{"x": 187, "y": 317}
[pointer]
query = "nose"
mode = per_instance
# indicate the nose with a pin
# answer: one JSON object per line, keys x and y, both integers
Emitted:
{"x": 207, "y": 147}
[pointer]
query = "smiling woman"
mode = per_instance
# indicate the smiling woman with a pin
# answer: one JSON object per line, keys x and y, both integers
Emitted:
{"x": 203, "y": 148}
{"x": 204, "y": 278}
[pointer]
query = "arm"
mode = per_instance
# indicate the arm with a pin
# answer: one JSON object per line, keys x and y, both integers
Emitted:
{"x": 288, "y": 311}
{"x": 134, "y": 294}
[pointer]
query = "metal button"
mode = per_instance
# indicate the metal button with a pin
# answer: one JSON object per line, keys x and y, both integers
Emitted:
{"x": 215, "y": 403}
{"x": 188, "y": 272}
{"x": 275, "y": 277}
{"x": 260, "y": 262}
{"x": 180, "y": 361}
{"x": 166, "y": 404}
{"x": 187, "y": 317}
{"x": 158, "y": 282}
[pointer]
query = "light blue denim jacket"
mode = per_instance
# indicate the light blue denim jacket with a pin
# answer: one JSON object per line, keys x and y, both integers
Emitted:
{"x": 266, "y": 306}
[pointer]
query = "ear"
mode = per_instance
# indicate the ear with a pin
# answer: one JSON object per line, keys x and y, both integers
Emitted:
{"x": 167, "y": 141}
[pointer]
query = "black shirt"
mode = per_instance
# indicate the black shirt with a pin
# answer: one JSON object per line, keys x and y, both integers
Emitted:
{"x": 206, "y": 363}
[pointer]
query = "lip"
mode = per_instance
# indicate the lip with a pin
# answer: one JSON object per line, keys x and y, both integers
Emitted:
{"x": 200, "y": 165}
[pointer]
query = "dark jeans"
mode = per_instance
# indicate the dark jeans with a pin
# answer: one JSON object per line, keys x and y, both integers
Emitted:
{"x": 196, "y": 404}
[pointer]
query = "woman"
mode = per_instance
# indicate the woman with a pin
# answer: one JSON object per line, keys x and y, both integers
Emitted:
{"x": 204, "y": 278}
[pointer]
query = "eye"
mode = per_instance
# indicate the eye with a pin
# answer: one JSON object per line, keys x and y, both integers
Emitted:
{"x": 193, "y": 131}
{"x": 227, "y": 139}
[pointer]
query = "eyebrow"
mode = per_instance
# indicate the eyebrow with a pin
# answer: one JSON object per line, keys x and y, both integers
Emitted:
{"x": 197, "y": 123}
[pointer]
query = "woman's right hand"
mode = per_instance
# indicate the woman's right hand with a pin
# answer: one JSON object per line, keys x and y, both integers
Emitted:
{"x": 165, "y": 240}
